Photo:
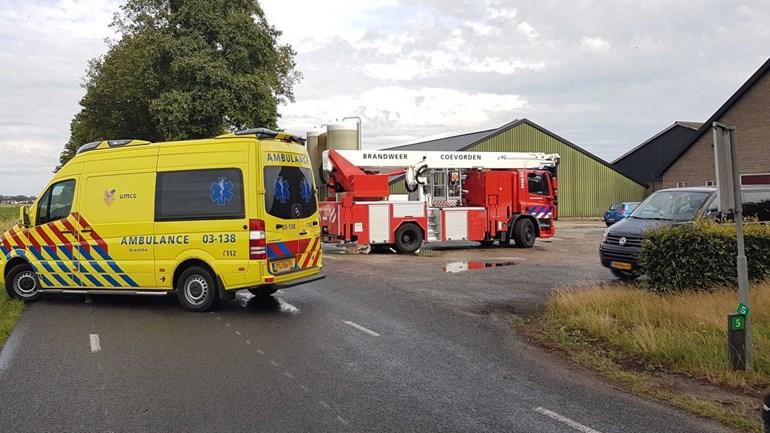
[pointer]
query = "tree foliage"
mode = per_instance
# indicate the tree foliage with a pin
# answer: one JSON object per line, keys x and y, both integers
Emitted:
{"x": 184, "y": 69}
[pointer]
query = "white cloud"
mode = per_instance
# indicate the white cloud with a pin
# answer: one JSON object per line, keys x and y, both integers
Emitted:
{"x": 401, "y": 69}
{"x": 527, "y": 30}
{"x": 309, "y": 25}
{"x": 504, "y": 13}
{"x": 502, "y": 66}
{"x": 389, "y": 111}
{"x": 594, "y": 43}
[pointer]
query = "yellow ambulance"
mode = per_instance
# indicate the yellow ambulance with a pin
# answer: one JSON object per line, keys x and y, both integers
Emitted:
{"x": 203, "y": 218}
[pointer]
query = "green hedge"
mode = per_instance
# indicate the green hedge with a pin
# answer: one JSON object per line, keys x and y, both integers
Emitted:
{"x": 702, "y": 255}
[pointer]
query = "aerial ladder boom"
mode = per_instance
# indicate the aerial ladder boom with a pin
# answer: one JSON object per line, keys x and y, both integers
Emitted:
{"x": 374, "y": 159}
{"x": 360, "y": 171}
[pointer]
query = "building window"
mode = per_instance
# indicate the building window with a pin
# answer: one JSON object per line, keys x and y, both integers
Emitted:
{"x": 711, "y": 183}
{"x": 199, "y": 195}
{"x": 680, "y": 184}
{"x": 755, "y": 179}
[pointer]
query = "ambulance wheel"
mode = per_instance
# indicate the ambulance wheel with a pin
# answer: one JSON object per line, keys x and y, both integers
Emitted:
{"x": 196, "y": 289}
{"x": 22, "y": 283}
{"x": 524, "y": 233}
{"x": 408, "y": 238}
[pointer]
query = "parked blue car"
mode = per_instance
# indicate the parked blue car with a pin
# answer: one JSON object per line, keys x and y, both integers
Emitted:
{"x": 618, "y": 211}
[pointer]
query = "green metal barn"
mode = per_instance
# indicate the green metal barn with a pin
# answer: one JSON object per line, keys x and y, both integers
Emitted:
{"x": 587, "y": 184}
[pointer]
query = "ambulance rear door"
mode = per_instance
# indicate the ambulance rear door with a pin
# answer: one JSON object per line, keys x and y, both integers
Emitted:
{"x": 291, "y": 211}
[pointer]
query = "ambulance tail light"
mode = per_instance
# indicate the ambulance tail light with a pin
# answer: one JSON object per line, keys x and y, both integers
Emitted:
{"x": 257, "y": 242}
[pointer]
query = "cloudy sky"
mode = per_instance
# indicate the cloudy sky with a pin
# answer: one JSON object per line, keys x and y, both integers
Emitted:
{"x": 605, "y": 75}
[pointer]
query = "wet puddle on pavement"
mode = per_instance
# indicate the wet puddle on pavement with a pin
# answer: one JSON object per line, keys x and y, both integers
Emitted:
{"x": 471, "y": 265}
{"x": 269, "y": 303}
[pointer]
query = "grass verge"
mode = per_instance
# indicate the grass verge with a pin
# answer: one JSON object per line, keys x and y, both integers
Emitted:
{"x": 670, "y": 347}
{"x": 10, "y": 309}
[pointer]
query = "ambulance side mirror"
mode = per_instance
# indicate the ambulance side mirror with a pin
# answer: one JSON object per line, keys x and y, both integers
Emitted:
{"x": 24, "y": 216}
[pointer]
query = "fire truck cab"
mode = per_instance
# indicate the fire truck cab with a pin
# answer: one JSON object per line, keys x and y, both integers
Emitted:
{"x": 510, "y": 197}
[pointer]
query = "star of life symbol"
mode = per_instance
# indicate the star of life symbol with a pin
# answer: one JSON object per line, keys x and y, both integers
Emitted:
{"x": 221, "y": 191}
{"x": 282, "y": 192}
{"x": 306, "y": 191}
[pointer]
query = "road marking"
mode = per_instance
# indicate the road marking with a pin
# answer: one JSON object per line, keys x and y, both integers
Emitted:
{"x": 361, "y": 328}
{"x": 289, "y": 375}
{"x": 260, "y": 352}
{"x": 330, "y": 257}
{"x": 325, "y": 404}
{"x": 238, "y": 332}
{"x": 342, "y": 420}
{"x": 227, "y": 324}
{"x": 95, "y": 345}
{"x": 248, "y": 341}
{"x": 275, "y": 364}
{"x": 219, "y": 317}
{"x": 304, "y": 388}
{"x": 564, "y": 420}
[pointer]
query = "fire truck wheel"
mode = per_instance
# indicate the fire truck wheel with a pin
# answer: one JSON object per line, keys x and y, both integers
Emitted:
{"x": 524, "y": 233}
{"x": 408, "y": 238}
{"x": 196, "y": 289}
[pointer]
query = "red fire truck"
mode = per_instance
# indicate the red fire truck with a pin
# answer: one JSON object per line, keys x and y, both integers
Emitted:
{"x": 510, "y": 197}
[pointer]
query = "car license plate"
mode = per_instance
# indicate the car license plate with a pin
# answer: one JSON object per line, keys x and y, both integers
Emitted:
{"x": 282, "y": 266}
{"x": 621, "y": 265}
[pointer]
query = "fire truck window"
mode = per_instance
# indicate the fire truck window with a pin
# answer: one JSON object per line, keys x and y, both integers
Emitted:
{"x": 538, "y": 184}
{"x": 289, "y": 192}
{"x": 199, "y": 194}
{"x": 439, "y": 181}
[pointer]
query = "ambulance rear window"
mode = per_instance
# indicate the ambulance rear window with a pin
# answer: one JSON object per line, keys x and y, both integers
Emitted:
{"x": 199, "y": 194}
{"x": 289, "y": 192}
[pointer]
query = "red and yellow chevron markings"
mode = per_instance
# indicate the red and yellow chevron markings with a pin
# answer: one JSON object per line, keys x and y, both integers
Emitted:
{"x": 307, "y": 252}
{"x": 59, "y": 261}
{"x": 310, "y": 257}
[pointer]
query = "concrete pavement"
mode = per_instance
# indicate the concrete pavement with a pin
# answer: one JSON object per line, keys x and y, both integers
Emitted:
{"x": 384, "y": 344}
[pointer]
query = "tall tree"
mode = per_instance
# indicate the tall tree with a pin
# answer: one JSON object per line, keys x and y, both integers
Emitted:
{"x": 184, "y": 69}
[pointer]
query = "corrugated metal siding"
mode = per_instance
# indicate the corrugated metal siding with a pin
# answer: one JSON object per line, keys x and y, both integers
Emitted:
{"x": 586, "y": 187}
{"x": 399, "y": 187}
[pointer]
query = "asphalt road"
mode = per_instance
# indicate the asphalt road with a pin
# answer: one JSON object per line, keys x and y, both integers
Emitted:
{"x": 385, "y": 344}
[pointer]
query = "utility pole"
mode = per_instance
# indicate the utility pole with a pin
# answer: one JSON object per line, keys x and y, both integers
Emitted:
{"x": 729, "y": 185}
